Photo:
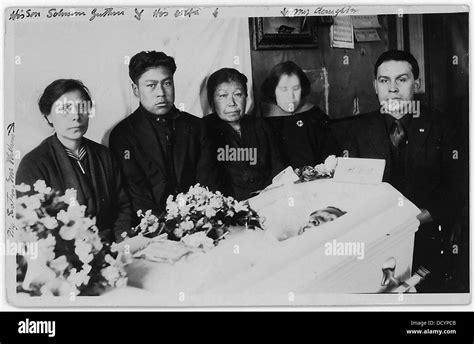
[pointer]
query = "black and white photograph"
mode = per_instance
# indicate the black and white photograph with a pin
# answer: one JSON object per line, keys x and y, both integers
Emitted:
{"x": 237, "y": 156}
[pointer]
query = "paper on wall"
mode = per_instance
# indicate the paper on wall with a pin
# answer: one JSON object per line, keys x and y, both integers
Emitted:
{"x": 365, "y": 22}
{"x": 342, "y": 33}
{"x": 366, "y": 35}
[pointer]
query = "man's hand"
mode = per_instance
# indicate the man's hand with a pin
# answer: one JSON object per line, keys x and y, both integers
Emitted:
{"x": 424, "y": 216}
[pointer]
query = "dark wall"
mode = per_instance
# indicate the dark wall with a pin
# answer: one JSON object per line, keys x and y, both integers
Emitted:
{"x": 446, "y": 39}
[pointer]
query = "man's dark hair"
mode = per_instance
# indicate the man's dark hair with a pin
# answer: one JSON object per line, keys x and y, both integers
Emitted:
{"x": 398, "y": 55}
{"x": 145, "y": 60}
{"x": 284, "y": 68}
{"x": 56, "y": 89}
{"x": 224, "y": 75}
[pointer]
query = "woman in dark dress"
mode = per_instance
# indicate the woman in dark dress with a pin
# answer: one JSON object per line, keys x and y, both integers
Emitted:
{"x": 246, "y": 151}
{"x": 68, "y": 160}
{"x": 301, "y": 128}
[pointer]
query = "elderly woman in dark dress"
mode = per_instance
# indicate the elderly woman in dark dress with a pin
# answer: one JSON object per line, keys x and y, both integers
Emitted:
{"x": 301, "y": 128}
{"x": 67, "y": 159}
{"x": 247, "y": 154}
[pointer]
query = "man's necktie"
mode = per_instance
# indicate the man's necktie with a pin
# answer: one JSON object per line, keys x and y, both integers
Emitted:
{"x": 397, "y": 133}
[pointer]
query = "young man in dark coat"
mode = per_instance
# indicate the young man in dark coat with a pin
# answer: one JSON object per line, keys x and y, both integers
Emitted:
{"x": 162, "y": 151}
{"x": 423, "y": 156}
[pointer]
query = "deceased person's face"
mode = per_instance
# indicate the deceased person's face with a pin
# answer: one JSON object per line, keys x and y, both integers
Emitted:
{"x": 322, "y": 216}
{"x": 155, "y": 90}
{"x": 230, "y": 101}
{"x": 70, "y": 115}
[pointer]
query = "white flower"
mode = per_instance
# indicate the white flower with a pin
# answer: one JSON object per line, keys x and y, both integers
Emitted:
{"x": 187, "y": 225}
{"x": 86, "y": 268}
{"x": 40, "y": 186}
{"x": 70, "y": 197}
{"x": 111, "y": 274}
{"x": 184, "y": 210}
{"x": 23, "y": 187}
{"x": 68, "y": 232}
{"x": 63, "y": 216}
{"x": 33, "y": 202}
{"x": 109, "y": 259}
{"x": 143, "y": 224}
{"x": 59, "y": 264}
{"x": 169, "y": 199}
{"x": 22, "y": 200}
{"x": 27, "y": 218}
{"x": 198, "y": 240}
{"x": 181, "y": 200}
{"x": 121, "y": 282}
{"x": 50, "y": 240}
{"x": 216, "y": 202}
{"x": 80, "y": 278}
{"x": 178, "y": 232}
{"x": 92, "y": 238}
{"x": 26, "y": 235}
{"x": 320, "y": 169}
{"x": 50, "y": 222}
{"x": 172, "y": 209}
{"x": 46, "y": 248}
{"x": 197, "y": 190}
{"x": 76, "y": 212}
{"x": 240, "y": 206}
{"x": 83, "y": 251}
{"x": 46, "y": 291}
{"x": 330, "y": 163}
{"x": 153, "y": 227}
{"x": 66, "y": 289}
{"x": 88, "y": 222}
{"x": 210, "y": 212}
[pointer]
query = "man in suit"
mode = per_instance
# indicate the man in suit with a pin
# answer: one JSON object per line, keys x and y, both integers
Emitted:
{"x": 162, "y": 151}
{"x": 422, "y": 153}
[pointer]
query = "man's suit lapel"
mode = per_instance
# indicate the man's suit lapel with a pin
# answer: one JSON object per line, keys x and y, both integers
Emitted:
{"x": 182, "y": 135}
{"x": 148, "y": 141}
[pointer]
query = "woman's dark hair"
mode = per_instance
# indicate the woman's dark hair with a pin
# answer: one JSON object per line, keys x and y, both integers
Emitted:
{"x": 56, "y": 89}
{"x": 398, "y": 55}
{"x": 145, "y": 60}
{"x": 224, "y": 75}
{"x": 284, "y": 68}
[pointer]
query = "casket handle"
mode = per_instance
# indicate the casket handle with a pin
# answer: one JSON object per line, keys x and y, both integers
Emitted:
{"x": 388, "y": 270}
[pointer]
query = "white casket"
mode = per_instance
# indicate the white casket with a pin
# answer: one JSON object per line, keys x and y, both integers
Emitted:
{"x": 342, "y": 256}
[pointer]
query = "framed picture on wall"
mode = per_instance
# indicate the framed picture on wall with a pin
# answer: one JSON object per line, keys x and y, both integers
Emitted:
{"x": 283, "y": 33}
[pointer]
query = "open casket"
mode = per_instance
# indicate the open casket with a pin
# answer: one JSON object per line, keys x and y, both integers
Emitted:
{"x": 342, "y": 256}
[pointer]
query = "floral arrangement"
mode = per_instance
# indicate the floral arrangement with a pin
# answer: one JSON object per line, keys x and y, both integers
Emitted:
{"x": 324, "y": 170}
{"x": 199, "y": 218}
{"x": 72, "y": 258}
